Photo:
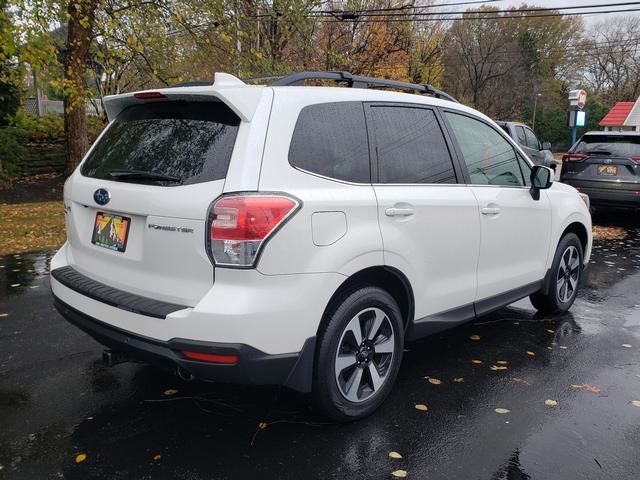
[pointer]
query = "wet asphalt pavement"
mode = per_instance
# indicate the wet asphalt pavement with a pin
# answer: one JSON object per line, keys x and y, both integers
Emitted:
{"x": 57, "y": 399}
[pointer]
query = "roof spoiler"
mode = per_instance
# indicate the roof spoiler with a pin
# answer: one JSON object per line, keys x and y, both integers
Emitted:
{"x": 243, "y": 99}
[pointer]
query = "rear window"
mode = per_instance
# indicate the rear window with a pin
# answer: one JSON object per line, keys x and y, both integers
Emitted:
{"x": 174, "y": 142}
{"x": 609, "y": 145}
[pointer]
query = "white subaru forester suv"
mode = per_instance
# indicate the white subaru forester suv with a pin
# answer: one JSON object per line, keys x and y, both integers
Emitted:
{"x": 300, "y": 235}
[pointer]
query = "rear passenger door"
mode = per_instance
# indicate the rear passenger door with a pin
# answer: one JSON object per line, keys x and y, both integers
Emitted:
{"x": 429, "y": 222}
{"x": 515, "y": 228}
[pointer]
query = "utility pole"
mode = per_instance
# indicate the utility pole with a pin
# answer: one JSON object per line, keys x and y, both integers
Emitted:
{"x": 535, "y": 105}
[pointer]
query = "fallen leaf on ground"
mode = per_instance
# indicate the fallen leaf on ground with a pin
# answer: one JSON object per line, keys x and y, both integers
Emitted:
{"x": 521, "y": 381}
{"x": 502, "y": 410}
{"x": 587, "y": 387}
{"x": 502, "y": 362}
{"x": 550, "y": 331}
{"x": 399, "y": 473}
{"x": 81, "y": 458}
{"x": 477, "y": 362}
{"x": 422, "y": 407}
{"x": 157, "y": 457}
{"x": 530, "y": 353}
{"x": 497, "y": 367}
{"x": 262, "y": 425}
{"x": 635, "y": 403}
{"x": 170, "y": 391}
{"x": 458, "y": 379}
{"x": 550, "y": 403}
{"x": 563, "y": 347}
{"x": 573, "y": 385}
{"x": 434, "y": 381}
{"x": 474, "y": 337}
{"x": 627, "y": 345}
{"x": 2, "y": 315}
{"x": 395, "y": 455}
{"x": 14, "y": 285}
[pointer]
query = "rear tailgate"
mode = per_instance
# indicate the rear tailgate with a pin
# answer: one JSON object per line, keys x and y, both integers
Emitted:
{"x": 162, "y": 162}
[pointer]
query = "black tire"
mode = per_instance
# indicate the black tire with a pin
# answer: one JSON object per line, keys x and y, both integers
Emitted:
{"x": 553, "y": 299}
{"x": 328, "y": 389}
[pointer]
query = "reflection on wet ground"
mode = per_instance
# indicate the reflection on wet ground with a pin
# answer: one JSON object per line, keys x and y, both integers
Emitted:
{"x": 58, "y": 400}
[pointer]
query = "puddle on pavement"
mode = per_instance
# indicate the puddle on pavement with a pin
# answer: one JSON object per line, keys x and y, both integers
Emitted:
{"x": 22, "y": 272}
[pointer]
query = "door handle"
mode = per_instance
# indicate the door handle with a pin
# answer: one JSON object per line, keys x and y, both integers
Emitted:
{"x": 490, "y": 211}
{"x": 398, "y": 212}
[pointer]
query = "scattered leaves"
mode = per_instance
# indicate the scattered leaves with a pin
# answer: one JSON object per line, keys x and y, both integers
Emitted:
{"x": 531, "y": 354}
{"x": 627, "y": 345}
{"x": 81, "y": 457}
{"x": 587, "y": 387}
{"x": 521, "y": 381}
{"x": 474, "y": 337}
{"x": 422, "y": 407}
{"x": 171, "y": 391}
{"x": 608, "y": 233}
{"x": 434, "y": 381}
{"x": 550, "y": 403}
{"x": 399, "y": 473}
{"x": 502, "y": 410}
{"x": 635, "y": 403}
{"x": 458, "y": 379}
{"x": 477, "y": 362}
{"x": 31, "y": 226}
{"x": 395, "y": 455}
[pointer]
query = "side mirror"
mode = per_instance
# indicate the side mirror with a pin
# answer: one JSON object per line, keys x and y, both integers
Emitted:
{"x": 541, "y": 179}
{"x": 546, "y": 145}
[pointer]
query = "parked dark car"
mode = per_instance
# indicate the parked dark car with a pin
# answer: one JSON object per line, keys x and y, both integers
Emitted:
{"x": 538, "y": 152}
{"x": 605, "y": 166}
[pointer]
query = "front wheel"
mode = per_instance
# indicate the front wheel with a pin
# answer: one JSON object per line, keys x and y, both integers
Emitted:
{"x": 565, "y": 274}
{"x": 359, "y": 354}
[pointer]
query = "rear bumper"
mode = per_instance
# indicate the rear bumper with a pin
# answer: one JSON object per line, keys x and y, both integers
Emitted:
{"x": 255, "y": 367}
{"x": 608, "y": 195}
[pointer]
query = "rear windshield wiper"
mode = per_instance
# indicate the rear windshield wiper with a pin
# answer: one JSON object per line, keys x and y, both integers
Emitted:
{"x": 142, "y": 175}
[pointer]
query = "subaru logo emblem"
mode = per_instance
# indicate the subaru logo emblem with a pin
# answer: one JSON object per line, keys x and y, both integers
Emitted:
{"x": 101, "y": 196}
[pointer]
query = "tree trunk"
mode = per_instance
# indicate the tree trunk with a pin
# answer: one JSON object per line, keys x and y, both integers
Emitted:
{"x": 81, "y": 22}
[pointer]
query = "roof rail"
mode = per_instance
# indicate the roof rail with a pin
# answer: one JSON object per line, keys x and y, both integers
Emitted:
{"x": 356, "y": 81}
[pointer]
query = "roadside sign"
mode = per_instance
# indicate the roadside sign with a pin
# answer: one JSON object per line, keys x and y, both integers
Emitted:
{"x": 578, "y": 98}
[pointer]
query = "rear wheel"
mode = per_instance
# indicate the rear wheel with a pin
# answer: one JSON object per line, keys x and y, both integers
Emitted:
{"x": 359, "y": 354}
{"x": 565, "y": 274}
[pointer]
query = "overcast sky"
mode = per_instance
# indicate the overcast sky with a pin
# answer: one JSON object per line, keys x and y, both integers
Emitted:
{"x": 588, "y": 19}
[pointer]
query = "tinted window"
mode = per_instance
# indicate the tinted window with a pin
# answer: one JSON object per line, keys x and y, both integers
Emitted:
{"x": 532, "y": 140}
{"x": 522, "y": 139}
{"x": 526, "y": 170}
{"x": 191, "y": 141}
{"x": 410, "y": 146}
{"x": 331, "y": 139}
{"x": 609, "y": 145}
{"x": 490, "y": 159}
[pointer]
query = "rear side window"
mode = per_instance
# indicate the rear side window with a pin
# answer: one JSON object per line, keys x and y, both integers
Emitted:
{"x": 330, "y": 139}
{"x": 522, "y": 139}
{"x": 179, "y": 143}
{"x": 532, "y": 140}
{"x": 410, "y": 146}
{"x": 609, "y": 145}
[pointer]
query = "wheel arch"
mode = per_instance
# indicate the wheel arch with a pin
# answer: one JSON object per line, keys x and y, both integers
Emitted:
{"x": 388, "y": 278}
{"x": 580, "y": 231}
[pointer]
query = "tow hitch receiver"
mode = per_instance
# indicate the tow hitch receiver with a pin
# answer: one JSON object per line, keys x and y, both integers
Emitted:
{"x": 114, "y": 357}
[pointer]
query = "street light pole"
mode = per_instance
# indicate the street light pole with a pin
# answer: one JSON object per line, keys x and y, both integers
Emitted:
{"x": 535, "y": 105}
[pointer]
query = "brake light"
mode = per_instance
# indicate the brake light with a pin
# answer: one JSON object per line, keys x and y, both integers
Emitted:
{"x": 211, "y": 357}
{"x": 635, "y": 159}
{"x": 574, "y": 157}
{"x": 239, "y": 225}
{"x": 148, "y": 95}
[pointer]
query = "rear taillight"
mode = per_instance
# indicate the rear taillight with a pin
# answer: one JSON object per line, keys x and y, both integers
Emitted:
{"x": 574, "y": 157}
{"x": 240, "y": 224}
{"x": 636, "y": 159}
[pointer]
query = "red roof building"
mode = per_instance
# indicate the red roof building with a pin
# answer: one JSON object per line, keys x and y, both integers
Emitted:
{"x": 622, "y": 117}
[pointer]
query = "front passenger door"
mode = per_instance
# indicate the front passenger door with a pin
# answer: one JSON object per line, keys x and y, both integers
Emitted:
{"x": 515, "y": 229}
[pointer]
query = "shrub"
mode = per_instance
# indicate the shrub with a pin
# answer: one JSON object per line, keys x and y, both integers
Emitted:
{"x": 11, "y": 149}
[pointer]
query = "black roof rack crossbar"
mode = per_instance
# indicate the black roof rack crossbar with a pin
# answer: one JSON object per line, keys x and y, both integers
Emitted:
{"x": 356, "y": 81}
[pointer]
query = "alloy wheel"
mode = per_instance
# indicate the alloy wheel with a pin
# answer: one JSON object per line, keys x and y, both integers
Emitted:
{"x": 568, "y": 274}
{"x": 365, "y": 353}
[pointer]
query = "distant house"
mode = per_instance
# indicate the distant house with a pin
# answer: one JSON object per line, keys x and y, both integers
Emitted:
{"x": 624, "y": 116}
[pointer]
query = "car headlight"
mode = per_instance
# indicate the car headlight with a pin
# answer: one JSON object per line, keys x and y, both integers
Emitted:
{"x": 585, "y": 199}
